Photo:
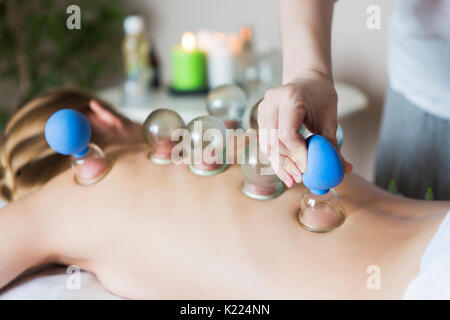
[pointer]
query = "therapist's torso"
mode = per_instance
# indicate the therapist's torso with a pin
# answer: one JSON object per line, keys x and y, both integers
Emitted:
{"x": 419, "y": 54}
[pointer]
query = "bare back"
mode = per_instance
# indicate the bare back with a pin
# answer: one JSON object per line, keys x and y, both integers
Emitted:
{"x": 151, "y": 231}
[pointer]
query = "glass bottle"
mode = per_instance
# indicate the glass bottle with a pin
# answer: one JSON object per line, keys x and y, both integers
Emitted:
{"x": 136, "y": 54}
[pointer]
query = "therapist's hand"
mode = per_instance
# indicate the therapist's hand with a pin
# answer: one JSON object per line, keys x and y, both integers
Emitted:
{"x": 310, "y": 100}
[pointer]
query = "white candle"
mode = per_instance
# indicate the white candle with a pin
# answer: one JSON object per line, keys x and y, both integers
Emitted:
{"x": 221, "y": 61}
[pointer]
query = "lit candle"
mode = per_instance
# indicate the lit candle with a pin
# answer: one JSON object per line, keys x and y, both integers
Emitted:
{"x": 188, "y": 66}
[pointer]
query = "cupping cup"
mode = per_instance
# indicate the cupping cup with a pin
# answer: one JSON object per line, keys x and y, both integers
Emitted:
{"x": 227, "y": 102}
{"x": 158, "y": 129}
{"x": 68, "y": 132}
{"x": 208, "y": 145}
{"x": 320, "y": 210}
{"x": 260, "y": 181}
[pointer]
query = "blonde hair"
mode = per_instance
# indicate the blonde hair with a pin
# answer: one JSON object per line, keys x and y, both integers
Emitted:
{"x": 26, "y": 160}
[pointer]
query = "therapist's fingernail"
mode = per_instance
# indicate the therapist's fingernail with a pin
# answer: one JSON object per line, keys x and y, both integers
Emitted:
{"x": 289, "y": 182}
{"x": 348, "y": 167}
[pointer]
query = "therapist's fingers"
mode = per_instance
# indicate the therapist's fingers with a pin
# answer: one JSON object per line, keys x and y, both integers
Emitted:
{"x": 292, "y": 115}
{"x": 330, "y": 134}
{"x": 283, "y": 166}
{"x": 280, "y": 166}
{"x": 267, "y": 121}
{"x": 348, "y": 167}
{"x": 291, "y": 168}
{"x": 269, "y": 140}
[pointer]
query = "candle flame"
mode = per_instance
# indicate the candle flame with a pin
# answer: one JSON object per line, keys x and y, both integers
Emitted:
{"x": 245, "y": 33}
{"x": 188, "y": 41}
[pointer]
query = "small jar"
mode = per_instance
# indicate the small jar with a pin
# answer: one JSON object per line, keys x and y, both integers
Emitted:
{"x": 320, "y": 213}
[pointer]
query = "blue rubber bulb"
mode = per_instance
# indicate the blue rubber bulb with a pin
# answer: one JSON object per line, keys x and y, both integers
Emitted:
{"x": 68, "y": 132}
{"x": 324, "y": 167}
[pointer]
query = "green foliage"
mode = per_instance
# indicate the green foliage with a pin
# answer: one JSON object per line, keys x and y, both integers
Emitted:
{"x": 429, "y": 195}
{"x": 52, "y": 54}
{"x": 392, "y": 186}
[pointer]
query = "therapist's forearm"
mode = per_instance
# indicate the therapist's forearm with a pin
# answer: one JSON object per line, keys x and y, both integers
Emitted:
{"x": 305, "y": 27}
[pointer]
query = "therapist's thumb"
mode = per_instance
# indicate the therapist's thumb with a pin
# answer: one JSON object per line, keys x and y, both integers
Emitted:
{"x": 348, "y": 167}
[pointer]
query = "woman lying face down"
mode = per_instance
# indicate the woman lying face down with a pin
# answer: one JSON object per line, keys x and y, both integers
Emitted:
{"x": 152, "y": 231}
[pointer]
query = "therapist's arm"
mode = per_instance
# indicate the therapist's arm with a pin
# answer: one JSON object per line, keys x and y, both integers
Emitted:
{"x": 307, "y": 95}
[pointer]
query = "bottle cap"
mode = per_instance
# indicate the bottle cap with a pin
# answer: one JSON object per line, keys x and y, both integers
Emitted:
{"x": 324, "y": 167}
{"x": 68, "y": 132}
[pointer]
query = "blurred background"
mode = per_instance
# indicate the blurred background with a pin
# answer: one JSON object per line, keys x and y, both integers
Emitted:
{"x": 39, "y": 52}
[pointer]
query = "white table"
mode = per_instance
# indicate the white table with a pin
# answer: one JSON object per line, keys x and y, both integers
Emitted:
{"x": 351, "y": 100}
